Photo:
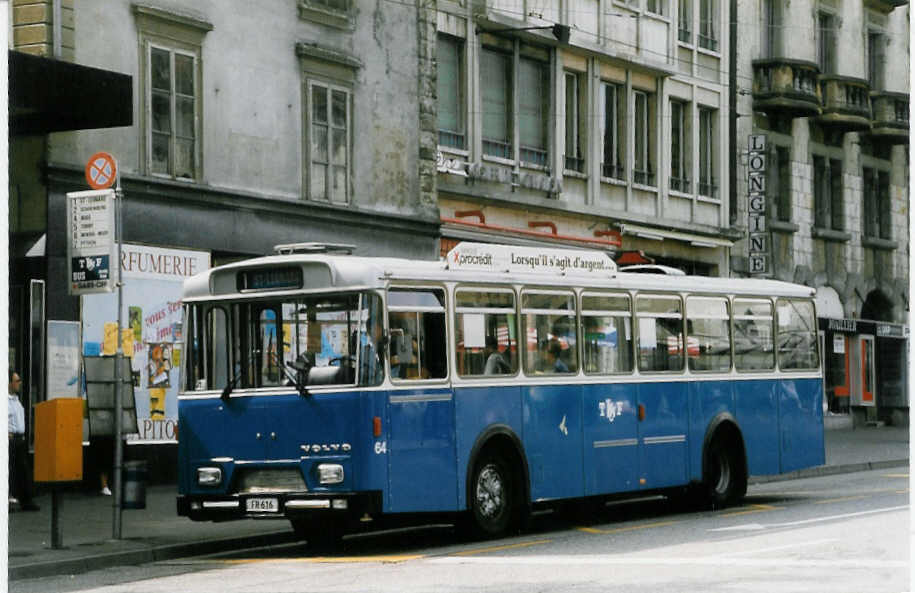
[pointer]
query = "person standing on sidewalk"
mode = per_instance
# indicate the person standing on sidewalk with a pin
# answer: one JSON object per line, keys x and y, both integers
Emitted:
{"x": 20, "y": 471}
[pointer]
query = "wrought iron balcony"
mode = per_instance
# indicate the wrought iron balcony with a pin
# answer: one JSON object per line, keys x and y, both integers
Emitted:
{"x": 786, "y": 87}
{"x": 846, "y": 103}
{"x": 890, "y": 116}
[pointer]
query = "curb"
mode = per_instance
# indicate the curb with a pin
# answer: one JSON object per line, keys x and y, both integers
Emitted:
{"x": 829, "y": 470}
{"x": 151, "y": 554}
{"x": 185, "y": 550}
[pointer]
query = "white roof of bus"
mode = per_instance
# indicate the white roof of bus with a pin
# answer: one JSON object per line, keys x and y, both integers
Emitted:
{"x": 356, "y": 272}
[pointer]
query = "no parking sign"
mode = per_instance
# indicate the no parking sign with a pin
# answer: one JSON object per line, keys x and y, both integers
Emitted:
{"x": 101, "y": 170}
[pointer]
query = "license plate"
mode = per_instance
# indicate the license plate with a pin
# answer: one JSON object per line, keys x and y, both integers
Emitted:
{"x": 262, "y": 505}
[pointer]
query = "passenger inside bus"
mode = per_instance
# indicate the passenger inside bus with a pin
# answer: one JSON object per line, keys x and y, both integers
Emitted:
{"x": 552, "y": 352}
{"x": 495, "y": 361}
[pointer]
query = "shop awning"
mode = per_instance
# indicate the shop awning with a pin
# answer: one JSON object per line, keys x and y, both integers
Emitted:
{"x": 656, "y": 234}
{"x": 48, "y": 95}
{"x": 829, "y": 305}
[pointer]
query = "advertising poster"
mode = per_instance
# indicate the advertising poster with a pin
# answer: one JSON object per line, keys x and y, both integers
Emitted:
{"x": 151, "y": 319}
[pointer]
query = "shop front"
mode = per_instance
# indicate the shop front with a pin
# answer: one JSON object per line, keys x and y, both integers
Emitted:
{"x": 865, "y": 370}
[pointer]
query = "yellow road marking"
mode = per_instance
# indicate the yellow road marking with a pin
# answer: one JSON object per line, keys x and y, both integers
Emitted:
{"x": 842, "y": 499}
{"x": 753, "y": 508}
{"x": 500, "y": 548}
{"x": 895, "y": 475}
{"x": 623, "y": 529}
{"x": 392, "y": 559}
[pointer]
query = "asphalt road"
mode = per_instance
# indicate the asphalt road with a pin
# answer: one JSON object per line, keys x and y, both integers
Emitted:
{"x": 840, "y": 533}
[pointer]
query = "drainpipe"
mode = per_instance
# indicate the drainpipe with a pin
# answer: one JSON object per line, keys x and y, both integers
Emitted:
{"x": 732, "y": 110}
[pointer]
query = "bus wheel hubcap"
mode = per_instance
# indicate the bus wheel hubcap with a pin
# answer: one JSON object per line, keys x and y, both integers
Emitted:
{"x": 490, "y": 492}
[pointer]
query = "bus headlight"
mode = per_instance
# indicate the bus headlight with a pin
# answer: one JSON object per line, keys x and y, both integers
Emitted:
{"x": 330, "y": 473}
{"x": 209, "y": 476}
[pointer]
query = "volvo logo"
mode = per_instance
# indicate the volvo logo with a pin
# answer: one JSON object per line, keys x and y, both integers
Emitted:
{"x": 327, "y": 448}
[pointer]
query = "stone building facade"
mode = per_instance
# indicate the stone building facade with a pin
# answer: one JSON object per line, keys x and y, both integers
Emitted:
{"x": 597, "y": 123}
{"x": 246, "y": 126}
{"x": 827, "y": 84}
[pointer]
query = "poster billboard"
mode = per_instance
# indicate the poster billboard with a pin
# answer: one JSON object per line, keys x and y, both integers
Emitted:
{"x": 151, "y": 318}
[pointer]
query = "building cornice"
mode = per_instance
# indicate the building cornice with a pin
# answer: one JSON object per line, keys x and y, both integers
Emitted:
{"x": 66, "y": 177}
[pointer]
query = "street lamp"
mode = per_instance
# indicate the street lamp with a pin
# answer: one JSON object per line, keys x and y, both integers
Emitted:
{"x": 560, "y": 32}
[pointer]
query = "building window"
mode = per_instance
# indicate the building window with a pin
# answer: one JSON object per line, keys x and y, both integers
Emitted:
{"x": 656, "y": 7}
{"x": 335, "y": 13}
{"x": 614, "y": 133}
{"x": 679, "y": 169}
{"x": 708, "y": 36}
{"x": 876, "y": 200}
{"x": 172, "y": 113}
{"x": 575, "y": 130}
{"x": 451, "y": 131}
{"x": 496, "y": 70}
{"x": 779, "y": 184}
{"x": 531, "y": 98}
{"x": 708, "y": 184}
{"x": 876, "y": 42}
{"x": 533, "y": 93}
{"x": 826, "y": 42}
{"x": 685, "y": 20}
{"x": 328, "y": 126}
{"x": 643, "y": 160}
{"x": 771, "y": 23}
{"x": 171, "y": 73}
{"x": 827, "y": 193}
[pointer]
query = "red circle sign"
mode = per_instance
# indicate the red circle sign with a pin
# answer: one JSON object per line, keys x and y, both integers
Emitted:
{"x": 101, "y": 170}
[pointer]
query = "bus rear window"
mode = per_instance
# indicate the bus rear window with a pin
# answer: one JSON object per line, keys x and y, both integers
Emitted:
{"x": 797, "y": 335}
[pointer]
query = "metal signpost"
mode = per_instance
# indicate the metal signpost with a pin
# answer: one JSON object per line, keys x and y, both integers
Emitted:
{"x": 94, "y": 230}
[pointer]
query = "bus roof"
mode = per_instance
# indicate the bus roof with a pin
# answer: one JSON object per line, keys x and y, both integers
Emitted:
{"x": 292, "y": 273}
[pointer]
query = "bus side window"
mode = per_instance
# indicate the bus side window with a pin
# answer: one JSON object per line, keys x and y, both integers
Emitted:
{"x": 708, "y": 341}
{"x": 660, "y": 333}
{"x": 551, "y": 332}
{"x": 416, "y": 318}
{"x": 606, "y": 322}
{"x": 753, "y": 349}
{"x": 485, "y": 332}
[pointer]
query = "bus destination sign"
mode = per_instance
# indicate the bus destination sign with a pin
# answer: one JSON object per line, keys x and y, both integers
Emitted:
{"x": 270, "y": 279}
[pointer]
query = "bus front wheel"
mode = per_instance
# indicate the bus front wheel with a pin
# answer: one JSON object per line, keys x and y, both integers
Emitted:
{"x": 493, "y": 495}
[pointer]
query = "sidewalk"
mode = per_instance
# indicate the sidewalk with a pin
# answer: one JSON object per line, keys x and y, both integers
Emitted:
{"x": 157, "y": 533}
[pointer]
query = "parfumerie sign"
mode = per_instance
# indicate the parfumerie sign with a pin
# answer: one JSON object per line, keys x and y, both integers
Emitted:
{"x": 509, "y": 258}
{"x": 758, "y": 237}
{"x": 91, "y": 247}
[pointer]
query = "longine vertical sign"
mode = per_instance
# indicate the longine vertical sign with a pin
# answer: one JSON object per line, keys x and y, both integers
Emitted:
{"x": 758, "y": 237}
{"x": 91, "y": 247}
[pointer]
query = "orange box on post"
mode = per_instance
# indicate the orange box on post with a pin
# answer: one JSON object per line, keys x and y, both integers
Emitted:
{"x": 59, "y": 440}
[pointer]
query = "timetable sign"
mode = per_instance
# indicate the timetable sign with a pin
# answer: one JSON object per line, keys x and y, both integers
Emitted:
{"x": 91, "y": 246}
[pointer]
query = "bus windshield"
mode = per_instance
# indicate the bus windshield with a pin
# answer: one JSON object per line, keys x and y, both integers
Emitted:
{"x": 263, "y": 343}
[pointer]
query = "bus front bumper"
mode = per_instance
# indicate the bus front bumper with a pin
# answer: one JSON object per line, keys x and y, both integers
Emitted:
{"x": 277, "y": 505}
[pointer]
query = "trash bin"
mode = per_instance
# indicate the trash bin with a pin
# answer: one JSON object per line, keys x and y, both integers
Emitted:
{"x": 134, "y": 496}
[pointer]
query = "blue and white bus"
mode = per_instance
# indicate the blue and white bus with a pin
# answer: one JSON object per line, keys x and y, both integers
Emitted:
{"x": 332, "y": 390}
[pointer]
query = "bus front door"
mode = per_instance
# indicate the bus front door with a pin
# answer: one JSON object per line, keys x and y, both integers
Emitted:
{"x": 420, "y": 449}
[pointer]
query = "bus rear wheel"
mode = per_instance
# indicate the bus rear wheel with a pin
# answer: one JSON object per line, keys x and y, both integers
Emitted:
{"x": 493, "y": 496}
{"x": 726, "y": 477}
